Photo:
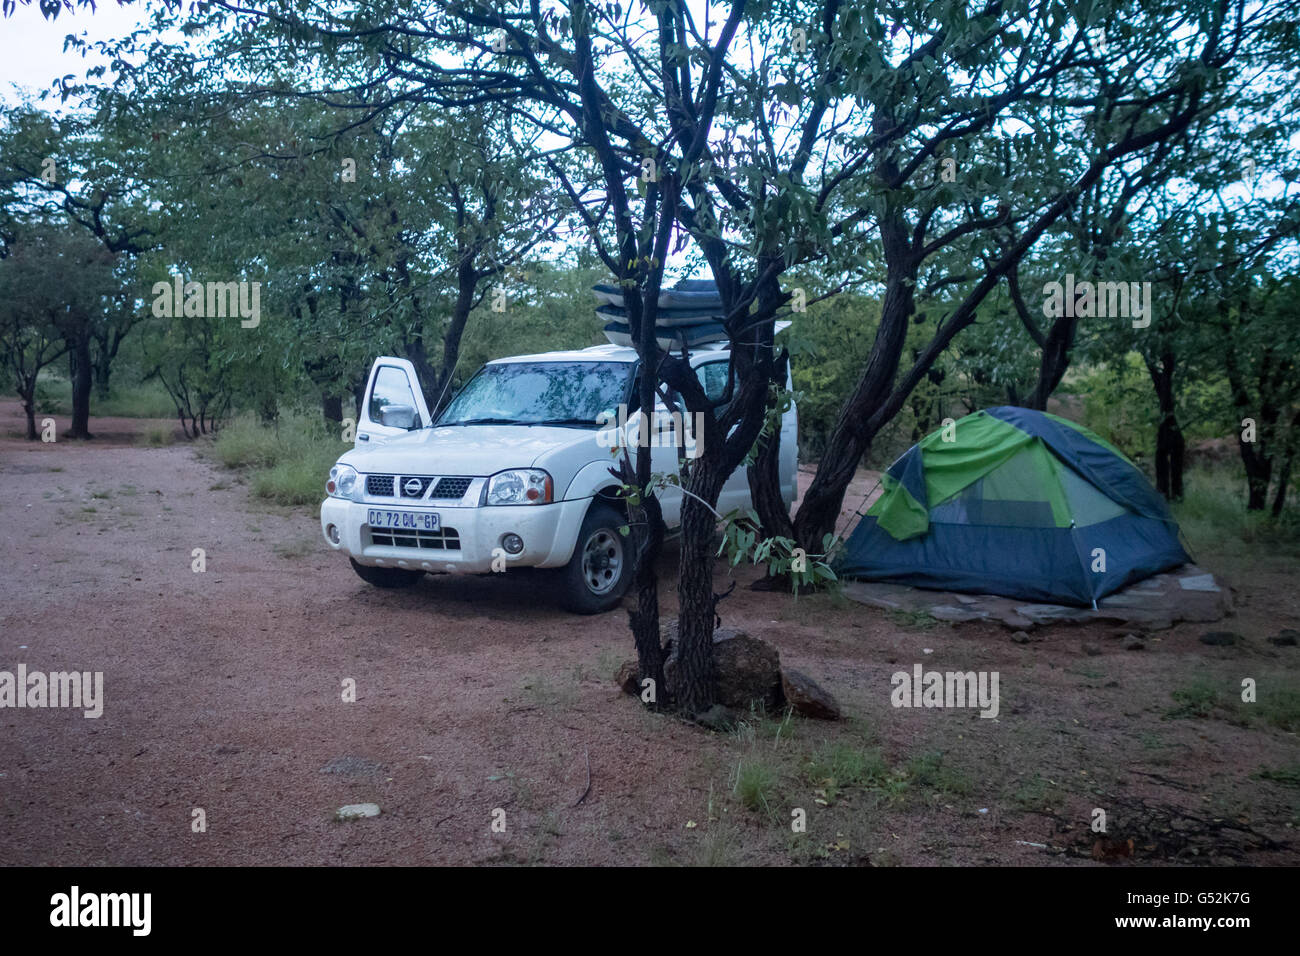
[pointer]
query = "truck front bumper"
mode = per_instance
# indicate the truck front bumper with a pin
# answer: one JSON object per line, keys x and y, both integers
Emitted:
{"x": 470, "y": 539}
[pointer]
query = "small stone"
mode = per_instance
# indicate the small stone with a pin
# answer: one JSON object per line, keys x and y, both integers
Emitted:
{"x": 956, "y": 615}
{"x": 350, "y": 766}
{"x": 716, "y": 717}
{"x": 807, "y": 697}
{"x": 1020, "y": 637}
{"x": 628, "y": 677}
{"x": 1133, "y": 643}
{"x": 1219, "y": 638}
{"x": 1092, "y": 650}
{"x": 357, "y": 811}
{"x": 1285, "y": 638}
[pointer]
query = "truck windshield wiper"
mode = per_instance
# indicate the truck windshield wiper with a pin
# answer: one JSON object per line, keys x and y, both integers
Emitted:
{"x": 484, "y": 421}
{"x": 564, "y": 421}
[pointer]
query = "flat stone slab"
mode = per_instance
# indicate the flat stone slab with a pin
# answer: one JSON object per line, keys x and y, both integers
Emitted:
{"x": 1189, "y": 593}
{"x": 357, "y": 811}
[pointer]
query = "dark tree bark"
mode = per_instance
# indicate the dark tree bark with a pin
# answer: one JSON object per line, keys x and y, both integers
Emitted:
{"x": 1170, "y": 444}
{"x": 852, "y": 433}
{"x": 81, "y": 371}
{"x": 28, "y": 396}
{"x": 764, "y": 475}
{"x": 1283, "y": 484}
{"x": 332, "y": 407}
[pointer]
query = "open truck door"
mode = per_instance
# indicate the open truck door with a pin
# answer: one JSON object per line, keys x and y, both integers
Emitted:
{"x": 393, "y": 403}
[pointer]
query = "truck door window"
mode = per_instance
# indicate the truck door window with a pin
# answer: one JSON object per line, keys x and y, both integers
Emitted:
{"x": 391, "y": 388}
{"x": 713, "y": 376}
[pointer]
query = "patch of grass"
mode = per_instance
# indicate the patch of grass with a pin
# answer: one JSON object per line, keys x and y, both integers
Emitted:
{"x": 542, "y": 691}
{"x": 835, "y": 766}
{"x": 288, "y": 463}
{"x": 758, "y": 726}
{"x": 1200, "y": 698}
{"x": 1036, "y": 793}
{"x": 156, "y": 436}
{"x": 1287, "y": 776}
{"x": 1280, "y": 707}
{"x": 297, "y": 549}
{"x": 608, "y": 662}
{"x": 1152, "y": 741}
{"x": 125, "y": 400}
{"x": 915, "y": 619}
{"x": 933, "y": 772}
{"x": 1088, "y": 673}
{"x": 1214, "y": 519}
{"x": 754, "y": 782}
{"x": 719, "y": 845}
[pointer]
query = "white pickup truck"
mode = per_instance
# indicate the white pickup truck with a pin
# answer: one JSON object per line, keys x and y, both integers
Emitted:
{"x": 515, "y": 472}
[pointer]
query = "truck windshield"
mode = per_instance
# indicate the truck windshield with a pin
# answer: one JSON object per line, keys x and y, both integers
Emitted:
{"x": 540, "y": 393}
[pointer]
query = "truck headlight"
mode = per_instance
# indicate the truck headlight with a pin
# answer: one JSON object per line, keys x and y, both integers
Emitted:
{"x": 342, "y": 481}
{"x": 522, "y": 486}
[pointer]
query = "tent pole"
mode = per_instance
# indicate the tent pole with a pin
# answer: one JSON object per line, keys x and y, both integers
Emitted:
{"x": 1082, "y": 562}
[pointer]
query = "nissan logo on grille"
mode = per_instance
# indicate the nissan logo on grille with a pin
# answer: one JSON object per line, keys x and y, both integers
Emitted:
{"x": 413, "y": 487}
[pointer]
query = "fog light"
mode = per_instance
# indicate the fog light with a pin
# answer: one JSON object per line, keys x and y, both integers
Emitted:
{"x": 512, "y": 543}
{"x": 332, "y": 532}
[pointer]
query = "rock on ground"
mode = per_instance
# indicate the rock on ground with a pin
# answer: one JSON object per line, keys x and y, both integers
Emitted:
{"x": 807, "y": 697}
{"x": 357, "y": 811}
{"x": 748, "y": 669}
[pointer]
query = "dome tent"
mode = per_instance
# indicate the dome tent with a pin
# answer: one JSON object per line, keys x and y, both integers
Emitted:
{"x": 1019, "y": 503}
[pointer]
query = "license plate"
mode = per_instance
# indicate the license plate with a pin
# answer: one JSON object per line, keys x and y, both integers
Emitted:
{"x": 411, "y": 520}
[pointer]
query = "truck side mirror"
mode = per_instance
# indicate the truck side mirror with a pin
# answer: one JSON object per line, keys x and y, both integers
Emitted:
{"x": 397, "y": 416}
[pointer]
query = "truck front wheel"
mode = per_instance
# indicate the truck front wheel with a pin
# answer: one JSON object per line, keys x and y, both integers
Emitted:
{"x": 386, "y": 577}
{"x": 600, "y": 570}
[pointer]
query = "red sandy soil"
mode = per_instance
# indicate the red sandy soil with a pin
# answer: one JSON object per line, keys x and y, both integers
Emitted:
{"x": 223, "y": 692}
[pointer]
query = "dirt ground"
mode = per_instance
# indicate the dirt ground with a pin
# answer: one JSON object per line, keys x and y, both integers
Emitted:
{"x": 224, "y": 692}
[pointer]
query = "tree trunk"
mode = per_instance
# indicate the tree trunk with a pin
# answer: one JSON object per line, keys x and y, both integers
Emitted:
{"x": 1054, "y": 362}
{"x": 1283, "y": 481}
{"x": 1284, "y": 476}
{"x": 1258, "y": 474}
{"x": 81, "y": 383}
{"x": 764, "y": 477}
{"x": 332, "y": 408}
{"x": 1170, "y": 445}
{"x": 29, "y": 407}
{"x": 690, "y": 669}
{"x": 647, "y": 534}
{"x": 851, "y": 436}
{"x": 103, "y": 371}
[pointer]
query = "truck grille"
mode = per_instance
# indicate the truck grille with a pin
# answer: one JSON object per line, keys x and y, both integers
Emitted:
{"x": 448, "y": 539}
{"x": 395, "y": 486}
{"x": 451, "y": 488}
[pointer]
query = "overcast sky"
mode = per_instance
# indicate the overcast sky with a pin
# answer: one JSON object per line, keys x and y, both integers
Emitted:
{"x": 31, "y": 47}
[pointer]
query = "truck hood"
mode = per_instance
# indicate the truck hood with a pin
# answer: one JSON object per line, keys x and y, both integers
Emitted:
{"x": 480, "y": 450}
